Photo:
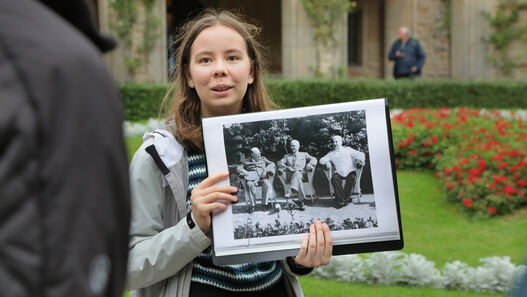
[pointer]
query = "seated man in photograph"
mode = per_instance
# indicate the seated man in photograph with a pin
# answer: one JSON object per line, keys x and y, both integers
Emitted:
{"x": 257, "y": 171}
{"x": 295, "y": 164}
{"x": 345, "y": 161}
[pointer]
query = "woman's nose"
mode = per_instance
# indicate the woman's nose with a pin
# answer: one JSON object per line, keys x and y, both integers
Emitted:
{"x": 219, "y": 69}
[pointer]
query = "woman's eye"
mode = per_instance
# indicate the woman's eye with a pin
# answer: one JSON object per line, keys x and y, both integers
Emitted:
{"x": 232, "y": 58}
{"x": 204, "y": 60}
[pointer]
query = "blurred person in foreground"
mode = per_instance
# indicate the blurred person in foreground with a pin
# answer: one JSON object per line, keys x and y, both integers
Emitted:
{"x": 64, "y": 207}
{"x": 408, "y": 55}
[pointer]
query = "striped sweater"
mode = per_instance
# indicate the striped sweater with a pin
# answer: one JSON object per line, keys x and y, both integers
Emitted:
{"x": 242, "y": 277}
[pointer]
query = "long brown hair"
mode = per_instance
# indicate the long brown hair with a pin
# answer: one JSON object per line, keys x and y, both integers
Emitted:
{"x": 182, "y": 103}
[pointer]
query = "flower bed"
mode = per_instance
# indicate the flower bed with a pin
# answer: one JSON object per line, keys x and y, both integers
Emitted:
{"x": 496, "y": 274}
{"x": 480, "y": 157}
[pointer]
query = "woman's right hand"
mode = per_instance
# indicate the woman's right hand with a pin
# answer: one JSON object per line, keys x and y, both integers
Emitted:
{"x": 205, "y": 199}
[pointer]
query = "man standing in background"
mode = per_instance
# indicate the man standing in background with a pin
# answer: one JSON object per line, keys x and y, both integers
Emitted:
{"x": 64, "y": 189}
{"x": 408, "y": 55}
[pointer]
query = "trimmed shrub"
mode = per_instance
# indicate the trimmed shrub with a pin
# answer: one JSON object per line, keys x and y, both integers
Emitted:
{"x": 401, "y": 94}
{"x": 142, "y": 101}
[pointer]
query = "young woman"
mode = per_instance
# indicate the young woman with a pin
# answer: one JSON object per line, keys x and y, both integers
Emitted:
{"x": 219, "y": 71}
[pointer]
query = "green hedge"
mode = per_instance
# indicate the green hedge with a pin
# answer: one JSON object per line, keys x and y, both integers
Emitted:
{"x": 142, "y": 101}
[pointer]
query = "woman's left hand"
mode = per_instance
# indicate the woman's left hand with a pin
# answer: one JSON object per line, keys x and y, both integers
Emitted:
{"x": 316, "y": 247}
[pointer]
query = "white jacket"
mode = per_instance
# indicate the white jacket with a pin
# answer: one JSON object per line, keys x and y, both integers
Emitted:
{"x": 162, "y": 246}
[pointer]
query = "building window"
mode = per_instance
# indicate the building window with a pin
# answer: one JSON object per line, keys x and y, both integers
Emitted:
{"x": 354, "y": 38}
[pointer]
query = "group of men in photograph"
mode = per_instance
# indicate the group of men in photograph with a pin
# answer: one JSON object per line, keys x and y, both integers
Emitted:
{"x": 342, "y": 163}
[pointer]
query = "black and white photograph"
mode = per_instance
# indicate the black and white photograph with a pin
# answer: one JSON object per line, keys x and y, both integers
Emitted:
{"x": 332, "y": 163}
{"x": 290, "y": 172}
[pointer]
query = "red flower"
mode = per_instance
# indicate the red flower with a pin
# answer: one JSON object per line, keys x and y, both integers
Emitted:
{"x": 399, "y": 117}
{"x": 492, "y": 210}
{"x": 463, "y": 161}
{"x": 434, "y": 139}
{"x": 499, "y": 179}
{"x": 508, "y": 190}
{"x": 503, "y": 165}
{"x": 482, "y": 164}
{"x": 514, "y": 153}
{"x": 450, "y": 187}
{"x": 472, "y": 178}
{"x": 497, "y": 157}
{"x": 467, "y": 202}
{"x": 401, "y": 143}
{"x": 410, "y": 139}
{"x": 474, "y": 171}
{"x": 413, "y": 152}
{"x": 491, "y": 186}
{"x": 426, "y": 143}
{"x": 409, "y": 124}
{"x": 437, "y": 175}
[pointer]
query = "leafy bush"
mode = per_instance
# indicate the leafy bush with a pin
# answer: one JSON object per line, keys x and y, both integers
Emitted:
{"x": 401, "y": 94}
{"x": 142, "y": 101}
{"x": 418, "y": 271}
{"x": 383, "y": 267}
{"x": 481, "y": 157}
{"x": 496, "y": 274}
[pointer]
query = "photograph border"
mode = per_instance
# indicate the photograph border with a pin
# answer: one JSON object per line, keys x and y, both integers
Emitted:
{"x": 257, "y": 250}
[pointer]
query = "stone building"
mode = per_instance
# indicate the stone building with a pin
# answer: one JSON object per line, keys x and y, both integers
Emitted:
{"x": 452, "y": 35}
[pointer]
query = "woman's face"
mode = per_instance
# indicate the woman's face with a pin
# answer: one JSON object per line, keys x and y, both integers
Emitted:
{"x": 220, "y": 70}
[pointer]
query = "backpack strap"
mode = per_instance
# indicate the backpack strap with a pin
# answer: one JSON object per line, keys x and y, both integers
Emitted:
{"x": 169, "y": 207}
{"x": 151, "y": 150}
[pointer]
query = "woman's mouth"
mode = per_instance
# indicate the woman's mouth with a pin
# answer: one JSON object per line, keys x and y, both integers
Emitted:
{"x": 221, "y": 89}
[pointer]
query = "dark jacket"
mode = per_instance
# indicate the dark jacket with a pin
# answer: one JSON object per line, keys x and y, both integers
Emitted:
{"x": 64, "y": 189}
{"x": 413, "y": 56}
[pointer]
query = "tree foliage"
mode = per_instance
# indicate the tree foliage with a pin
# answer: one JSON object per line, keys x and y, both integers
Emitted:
{"x": 314, "y": 133}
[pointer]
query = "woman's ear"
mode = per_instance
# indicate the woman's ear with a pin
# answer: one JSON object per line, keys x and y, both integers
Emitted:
{"x": 251, "y": 74}
{"x": 188, "y": 77}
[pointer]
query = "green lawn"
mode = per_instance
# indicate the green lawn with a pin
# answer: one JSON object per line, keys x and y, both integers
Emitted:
{"x": 330, "y": 288}
{"x": 434, "y": 229}
{"x": 132, "y": 144}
